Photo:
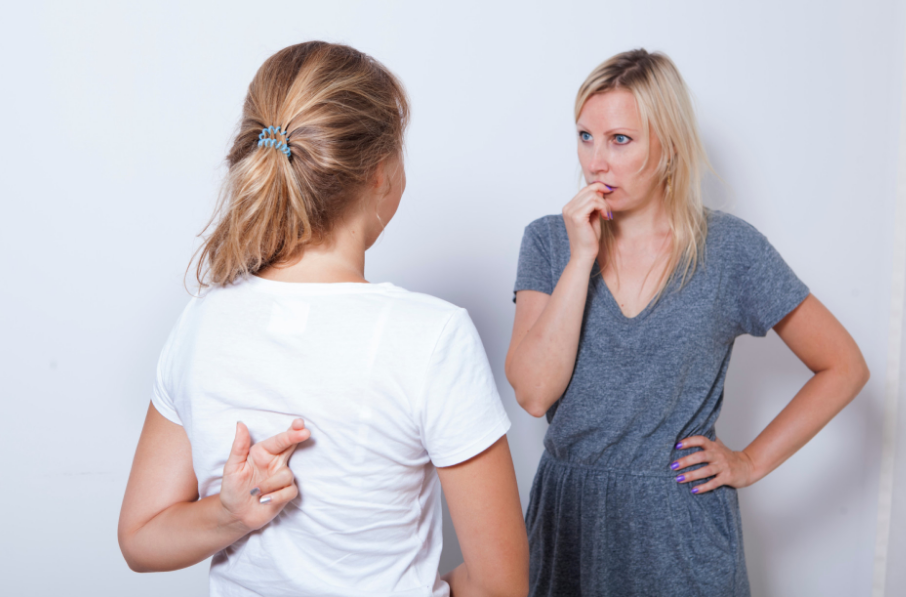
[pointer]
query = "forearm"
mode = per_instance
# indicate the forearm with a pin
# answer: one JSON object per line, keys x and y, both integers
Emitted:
{"x": 180, "y": 536}
{"x": 460, "y": 583}
{"x": 819, "y": 401}
{"x": 463, "y": 585}
{"x": 543, "y": 363}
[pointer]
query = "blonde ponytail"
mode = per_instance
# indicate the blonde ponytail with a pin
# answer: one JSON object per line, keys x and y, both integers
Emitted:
{"x": 317, "y": 121}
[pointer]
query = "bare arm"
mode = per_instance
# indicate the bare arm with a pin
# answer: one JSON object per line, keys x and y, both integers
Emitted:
{"x": 545, "y": 341}
{"x": 484, "y": 506}
{"x": 840, "y": 372}
{"x": 163, "y": 525}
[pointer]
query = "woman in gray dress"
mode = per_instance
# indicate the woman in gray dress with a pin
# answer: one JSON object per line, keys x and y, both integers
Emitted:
{"x": 627, "y": 306}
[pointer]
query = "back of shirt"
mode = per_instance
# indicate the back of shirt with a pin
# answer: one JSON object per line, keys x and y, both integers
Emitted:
{"x": 390, "y": 383}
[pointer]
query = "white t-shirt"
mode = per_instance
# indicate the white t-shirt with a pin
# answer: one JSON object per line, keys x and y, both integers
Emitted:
{"x": 391, "y": 383}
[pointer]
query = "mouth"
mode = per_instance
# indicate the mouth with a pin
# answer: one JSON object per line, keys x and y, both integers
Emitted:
{"x": 609, "y": 187}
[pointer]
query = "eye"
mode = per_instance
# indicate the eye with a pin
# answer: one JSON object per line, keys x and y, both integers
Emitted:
{"x": 621, "y": 139}
{"x": 585, "y": 136}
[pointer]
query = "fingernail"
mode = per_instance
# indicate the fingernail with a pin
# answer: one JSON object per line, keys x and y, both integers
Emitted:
{"x": 265, "y": 499}
{"x": 681, "y": 478}
{"x": 255, "y": 491}
{"x": 695, "y": 490}
{"x": 675, "y": 465}
{"x": 679, "y": 446}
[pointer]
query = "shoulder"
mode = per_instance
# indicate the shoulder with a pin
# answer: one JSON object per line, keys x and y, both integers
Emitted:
{"x": 549, "y": 231}
{"x": 424, "y": 309}
{"x": 727, "y": 227}
{"x": 733, "y": 239}
{"x": 428, "y": 325}
{"x": 547, "y": 224}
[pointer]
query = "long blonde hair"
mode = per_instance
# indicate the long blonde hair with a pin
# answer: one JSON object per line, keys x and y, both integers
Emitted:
{"x": 335, "y": 114}
{"x": 666, "y": 110}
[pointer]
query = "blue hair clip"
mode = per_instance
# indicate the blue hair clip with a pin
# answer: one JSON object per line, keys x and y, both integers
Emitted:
{"x": 265, "y": 140}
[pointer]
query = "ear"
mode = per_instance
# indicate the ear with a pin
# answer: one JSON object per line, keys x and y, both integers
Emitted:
{"x": 379, "y": 179}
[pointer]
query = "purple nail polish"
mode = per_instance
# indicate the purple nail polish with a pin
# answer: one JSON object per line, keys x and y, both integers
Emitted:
{"x": 695, "y": 490}
{"x": 679, "y": 446}
{"x": 255, "y": 491}
{"x": 675, "y": 465}
{"x": 681, "y": 478}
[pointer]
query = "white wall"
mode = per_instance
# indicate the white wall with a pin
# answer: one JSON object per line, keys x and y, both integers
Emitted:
{"x": 118, "y": 119}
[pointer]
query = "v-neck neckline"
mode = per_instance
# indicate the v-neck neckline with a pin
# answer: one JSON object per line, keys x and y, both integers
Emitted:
{"x": 611, "y": 301}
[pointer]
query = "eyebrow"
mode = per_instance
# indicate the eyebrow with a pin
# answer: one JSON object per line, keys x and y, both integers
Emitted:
{"x": 613, "y": 130}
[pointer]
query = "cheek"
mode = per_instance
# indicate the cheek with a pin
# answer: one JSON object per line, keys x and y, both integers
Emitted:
{"x": 630, "y": 162}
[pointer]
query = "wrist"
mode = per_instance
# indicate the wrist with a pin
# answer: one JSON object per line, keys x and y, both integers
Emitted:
{"x": 584, "y": 262}
{"x": 756, "y": 472}
{"x": 230, "y": 521}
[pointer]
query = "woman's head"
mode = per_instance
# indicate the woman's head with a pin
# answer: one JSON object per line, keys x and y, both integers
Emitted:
{"x": 637, "y": 132}
{"x": 320, "y": 122}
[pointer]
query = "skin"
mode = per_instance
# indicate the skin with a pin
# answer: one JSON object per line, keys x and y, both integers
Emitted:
{"x": 164, "y": 526}
{"x": 614, "y": 153}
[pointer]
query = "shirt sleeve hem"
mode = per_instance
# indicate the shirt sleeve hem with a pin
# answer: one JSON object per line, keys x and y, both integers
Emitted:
{"x": 788, "y": 307}
{"x": 476, "y": 447}
{"x": 535, "y": 285}
{"x": 164, "y": 410}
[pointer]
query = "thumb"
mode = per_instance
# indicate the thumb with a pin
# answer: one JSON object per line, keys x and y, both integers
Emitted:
{"x": 239, "y": 452}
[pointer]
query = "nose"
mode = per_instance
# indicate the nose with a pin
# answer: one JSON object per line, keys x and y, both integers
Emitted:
{"x": 599, "y": 161}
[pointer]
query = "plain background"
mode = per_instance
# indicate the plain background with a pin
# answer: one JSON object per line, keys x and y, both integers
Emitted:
{"x": 119, "y": 116}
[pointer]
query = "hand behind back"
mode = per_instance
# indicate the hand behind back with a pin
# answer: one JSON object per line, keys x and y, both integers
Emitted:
{"x": 257, "y": 483}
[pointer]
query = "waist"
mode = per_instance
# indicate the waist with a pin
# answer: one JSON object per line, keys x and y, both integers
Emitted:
{"x": 548, "y": 459}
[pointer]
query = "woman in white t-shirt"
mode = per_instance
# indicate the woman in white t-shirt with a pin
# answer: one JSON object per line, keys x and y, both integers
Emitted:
{"x": 349, "y": 393}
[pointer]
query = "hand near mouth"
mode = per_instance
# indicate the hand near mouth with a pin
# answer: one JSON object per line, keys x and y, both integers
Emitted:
{"x": 582, "y": 216}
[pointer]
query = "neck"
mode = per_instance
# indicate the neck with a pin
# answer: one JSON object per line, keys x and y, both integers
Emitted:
{"x": 646, "y": 220}
{"x": 338, "y": 258}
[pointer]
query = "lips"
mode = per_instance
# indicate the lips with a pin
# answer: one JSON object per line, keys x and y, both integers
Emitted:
{"x": 609, "y": 188}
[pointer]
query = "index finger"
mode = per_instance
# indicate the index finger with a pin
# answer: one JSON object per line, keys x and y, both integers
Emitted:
{"x": 609, "y": 189}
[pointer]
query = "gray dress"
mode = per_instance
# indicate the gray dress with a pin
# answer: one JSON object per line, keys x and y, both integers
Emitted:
{"x": 606, "y": 516}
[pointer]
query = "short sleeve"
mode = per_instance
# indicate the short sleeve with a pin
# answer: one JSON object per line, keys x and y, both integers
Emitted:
{"x": 460, "y": 413}
{"x": 768, "y": 290}
{"x": 160, "y": 396}
{"x": 534, "y": 271}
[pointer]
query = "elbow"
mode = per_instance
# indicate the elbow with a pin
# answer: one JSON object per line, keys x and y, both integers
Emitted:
{"x": 855, "y": 375}
{"x": 859, "y": 372}
{"x": 536, "y": 411}
{"x": 864, "y": 374}
{"x": 131, "y": 561}
{"x": 131, "y": 553}
{"x": 530, "y": 404}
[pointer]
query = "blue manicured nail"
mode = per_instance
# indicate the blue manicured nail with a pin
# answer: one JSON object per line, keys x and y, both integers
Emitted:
{"x": 679, "y": 446}
{"x": 675, "y": 465}
{"x": 255, "y": 491}
{"x": 695, "y": 490}
{"x": 681, "y": 478}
